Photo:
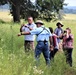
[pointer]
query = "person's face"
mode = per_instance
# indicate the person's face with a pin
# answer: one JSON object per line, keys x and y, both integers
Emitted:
{"x": 30, "y": 20}
{"x": 59, "y": 25}
{"x": 68, "y": 31}
{"x": 38, "y": 25}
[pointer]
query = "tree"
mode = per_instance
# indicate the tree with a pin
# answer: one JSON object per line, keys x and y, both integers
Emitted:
{"x": 50, "y": 8}
{"x": 43, "y": 9}
{"x": 15, "y": 9}
{"x": 28, "y": 9}
{"x": 2, "y": 2}
{"x": 15, "y": 6}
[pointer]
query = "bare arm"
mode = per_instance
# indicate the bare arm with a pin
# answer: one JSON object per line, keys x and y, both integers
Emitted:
{"x": 51, "y": 40}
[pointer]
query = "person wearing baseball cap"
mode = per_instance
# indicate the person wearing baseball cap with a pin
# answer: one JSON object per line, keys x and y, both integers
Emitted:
{"x": 43, "y": 36}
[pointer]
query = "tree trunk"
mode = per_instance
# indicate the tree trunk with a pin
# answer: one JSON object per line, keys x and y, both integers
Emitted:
{"x": 16, "y": 13}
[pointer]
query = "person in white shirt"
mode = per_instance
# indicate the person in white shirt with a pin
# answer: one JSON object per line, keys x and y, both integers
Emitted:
{"x": 28, "y": 39}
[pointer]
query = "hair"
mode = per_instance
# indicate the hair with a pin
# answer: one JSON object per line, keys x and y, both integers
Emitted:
{"x": 69, "y": 29}
{"x": 30, "y": 17}
{"x": 51, "y": 29}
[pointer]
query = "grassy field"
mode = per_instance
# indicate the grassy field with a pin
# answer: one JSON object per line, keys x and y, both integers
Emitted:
{"x": 5, "y": 16}
{"x": 13, "y": 59}
{"x": 70, "y": 17}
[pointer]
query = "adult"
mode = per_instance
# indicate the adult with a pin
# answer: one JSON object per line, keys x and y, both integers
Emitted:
{"x": 59, "y": 32}
{"x": 43, "y": 36}
{"x": 28, "y": 39}
{"x": 68, "y": 45}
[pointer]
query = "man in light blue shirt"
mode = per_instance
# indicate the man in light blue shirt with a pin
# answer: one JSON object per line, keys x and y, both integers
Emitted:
{"x": 43, "y": 36}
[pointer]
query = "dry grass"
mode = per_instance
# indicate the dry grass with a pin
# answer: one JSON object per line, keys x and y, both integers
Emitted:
{"x": 5, "y": 16}
{"x": 70, "y": 17}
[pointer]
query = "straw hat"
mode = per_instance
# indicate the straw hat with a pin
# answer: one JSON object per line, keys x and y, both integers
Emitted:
{"x": 39, "y": 22}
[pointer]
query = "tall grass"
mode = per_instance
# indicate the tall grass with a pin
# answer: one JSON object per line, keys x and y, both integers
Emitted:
{"x": 14, "y": 61}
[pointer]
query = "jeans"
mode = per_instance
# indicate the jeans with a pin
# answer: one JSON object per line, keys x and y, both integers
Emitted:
{"x": 42, "y": 48}
{"x": 68, "y": 54}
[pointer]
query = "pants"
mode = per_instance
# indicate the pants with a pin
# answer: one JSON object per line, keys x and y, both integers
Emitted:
{"x": 68, "y": 54}
{"x": 42, "y": 48}
{"x": 52, "y": 54}
{"x": 28, "y": 45}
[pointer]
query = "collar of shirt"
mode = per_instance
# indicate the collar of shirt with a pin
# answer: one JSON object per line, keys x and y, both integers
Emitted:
{"x": 30, "y": 24}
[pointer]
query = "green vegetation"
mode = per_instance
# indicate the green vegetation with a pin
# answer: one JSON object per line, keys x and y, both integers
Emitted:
{"x": 43, "y": 9}
{"x": 14, "y": 61}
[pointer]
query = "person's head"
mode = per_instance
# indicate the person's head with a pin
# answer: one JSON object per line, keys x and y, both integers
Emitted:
{"x": 68, "y": 30}
{"x": 59, "y": 25}
{"x": 39, "y": 23}
{"x": 51, "y": 29}
{"x": 30, "y": 20}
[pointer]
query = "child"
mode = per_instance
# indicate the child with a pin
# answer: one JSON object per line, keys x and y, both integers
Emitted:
{"x": 54, "y": 47}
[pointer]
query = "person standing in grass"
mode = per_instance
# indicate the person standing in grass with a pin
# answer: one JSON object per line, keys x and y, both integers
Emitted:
{"x": 59, "y": 32}
{"x": 67, "y": 45}
{"x": 28, "y": 39}
{"x": 54, "y": 47}
{"x": 43, "y": 36}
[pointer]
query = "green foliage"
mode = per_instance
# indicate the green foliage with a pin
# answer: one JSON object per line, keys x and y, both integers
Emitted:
{"x": 2, "y": 2}
{"x": 14, "y": 61}
{"x": 42, "y": 9}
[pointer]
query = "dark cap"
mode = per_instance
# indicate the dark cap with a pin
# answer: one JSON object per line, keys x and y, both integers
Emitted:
{"x": 59, "y": 24}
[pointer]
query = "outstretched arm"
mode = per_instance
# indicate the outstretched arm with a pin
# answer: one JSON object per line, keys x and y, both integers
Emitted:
{"x": 24, "y": 33}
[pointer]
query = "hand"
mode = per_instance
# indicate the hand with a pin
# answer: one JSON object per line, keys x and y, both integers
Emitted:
{"x": 67, "y": 31}
{"x": 19, "y": 34}
{"x": 51, "y": 47}
{"x": 25, "y": 25}
{"x": 22, "y": 25}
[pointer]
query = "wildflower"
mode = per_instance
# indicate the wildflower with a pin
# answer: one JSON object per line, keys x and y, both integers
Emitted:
{"x": 37, "y": 71}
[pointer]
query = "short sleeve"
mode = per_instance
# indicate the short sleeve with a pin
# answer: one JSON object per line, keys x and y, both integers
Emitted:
{"x": 55, "y": 31}
{"x": 23, "y": 28}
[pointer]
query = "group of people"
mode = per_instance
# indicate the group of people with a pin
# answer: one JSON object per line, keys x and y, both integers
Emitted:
{"x": 48, "y": 41}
